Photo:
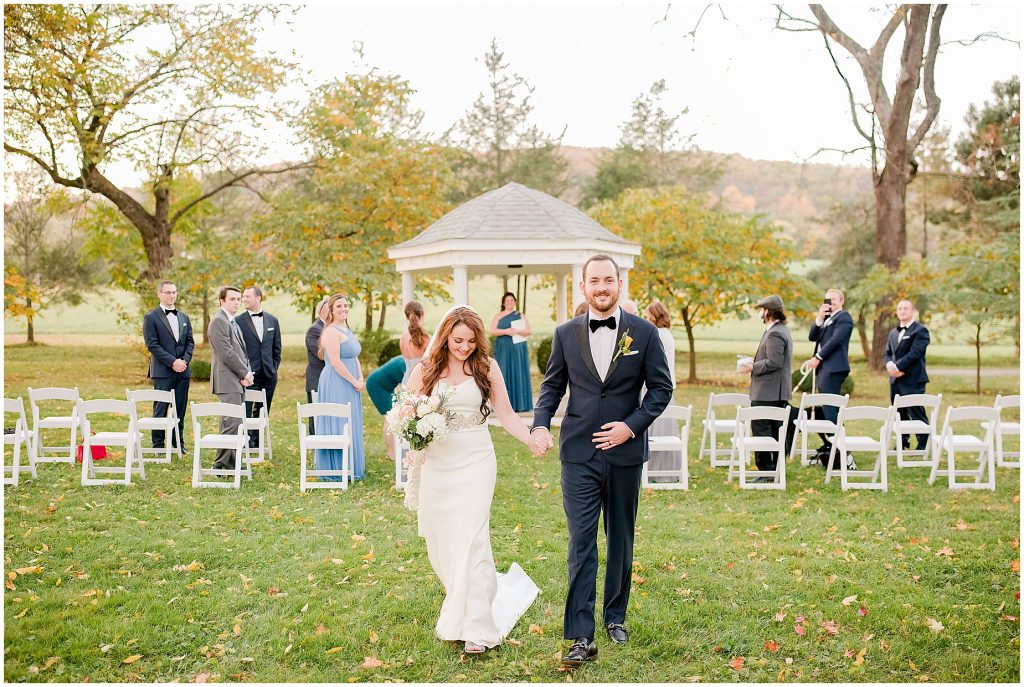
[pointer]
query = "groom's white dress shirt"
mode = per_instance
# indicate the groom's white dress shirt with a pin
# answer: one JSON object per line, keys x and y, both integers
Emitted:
{"x": 602, "y": 342}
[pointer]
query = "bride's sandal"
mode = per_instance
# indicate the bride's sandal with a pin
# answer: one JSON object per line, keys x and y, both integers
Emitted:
{"x": 474, "y": 648}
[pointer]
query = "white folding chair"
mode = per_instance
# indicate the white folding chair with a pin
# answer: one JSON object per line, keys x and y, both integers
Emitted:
{"x": 401, "y": 472}
{"x": 127, "y": 439}
{"x": 261, "y": 424}
{"x": 21, "y": 436}
{"x": 307, "y": 443}
{"x": 952, "y": 444}
{"x": 1005, "y": 427}
{"x": 215, "y": 441}
{"x": 68, "y": 422}
{"x": 845, "y": 443}
{"x": 744, "y": 444}
{"x": 713, "y": 426}
{"x": 673, "y": 443}
{"x": 804, "y": 425}
{"x": 901, "y": 428}
{"x": 148, "y": 423}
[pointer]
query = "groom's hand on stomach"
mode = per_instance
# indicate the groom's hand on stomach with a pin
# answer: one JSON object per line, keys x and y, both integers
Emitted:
{"x": 613, "y": 434}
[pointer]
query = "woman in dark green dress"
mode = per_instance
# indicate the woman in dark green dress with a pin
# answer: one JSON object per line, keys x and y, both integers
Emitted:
{"x": 513, "y": 357}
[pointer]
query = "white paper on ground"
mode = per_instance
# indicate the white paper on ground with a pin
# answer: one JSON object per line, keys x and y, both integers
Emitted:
{"x": 516, "y": 593}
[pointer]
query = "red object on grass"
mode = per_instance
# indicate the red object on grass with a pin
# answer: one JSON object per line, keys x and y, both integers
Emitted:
{"x": 98, "y": 453}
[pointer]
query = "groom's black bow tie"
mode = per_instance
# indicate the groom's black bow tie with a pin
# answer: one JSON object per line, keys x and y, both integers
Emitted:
{"x": 902, "y": 329}
{"x": 170, "y": 312}
{"x": 257, "y": 314}
{"x": 597, "y": 324}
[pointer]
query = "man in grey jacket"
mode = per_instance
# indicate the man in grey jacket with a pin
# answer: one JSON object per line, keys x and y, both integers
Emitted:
{"x": 229, "y": 367}
{"x": 771, "y": 377}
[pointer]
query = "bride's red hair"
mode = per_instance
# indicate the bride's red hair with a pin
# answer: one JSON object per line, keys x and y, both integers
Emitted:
{"x": 478, "y": 364}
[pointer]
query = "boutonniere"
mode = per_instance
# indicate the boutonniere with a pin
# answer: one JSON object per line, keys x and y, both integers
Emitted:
{"x": 623, "y": 348}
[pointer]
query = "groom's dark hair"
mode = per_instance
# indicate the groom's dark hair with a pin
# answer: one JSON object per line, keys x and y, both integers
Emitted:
{"x": 596, "y": 258}
{"x": 224, "y": 291}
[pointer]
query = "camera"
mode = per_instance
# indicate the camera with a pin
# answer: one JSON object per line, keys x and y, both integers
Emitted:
{"x": 828, "y": 302}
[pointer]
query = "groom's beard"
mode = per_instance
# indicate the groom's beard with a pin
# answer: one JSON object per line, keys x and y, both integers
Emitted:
{"x": 613, "y": 300}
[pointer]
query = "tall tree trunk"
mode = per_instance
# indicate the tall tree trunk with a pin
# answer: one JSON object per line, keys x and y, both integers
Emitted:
{"x": 31, "y": 319}
{"x": 693, "y": 351}
{"x": 383, "y": 309}
{"x": 977, "y": 359}
{"x": 890, "y": 236}
{"x": 862, "y": 331}
{"x": 368, "y": 320}
{"x": 206, "y": 320}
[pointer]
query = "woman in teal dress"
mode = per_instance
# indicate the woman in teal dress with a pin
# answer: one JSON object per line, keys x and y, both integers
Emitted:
{"x": 513, "y": 358}
{"x": 341, "y": 382}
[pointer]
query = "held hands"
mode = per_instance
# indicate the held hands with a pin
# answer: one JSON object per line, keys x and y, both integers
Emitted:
{"x": 894, "y": 371}
{"x": 179, "y": 365}
{"x": 245, "y": 381}
{"x": 359, "y": 384}
{"x": 614, "y": 434}
{"x": 745, "y": 369}
{"x": 541, "y": 441}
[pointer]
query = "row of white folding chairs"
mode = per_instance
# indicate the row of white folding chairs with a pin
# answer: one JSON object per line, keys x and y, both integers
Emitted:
{"x": 37, "y": 452}
{"x": 805, "y": 425}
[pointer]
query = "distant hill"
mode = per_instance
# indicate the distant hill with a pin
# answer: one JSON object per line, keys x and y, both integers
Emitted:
{"x": 789, "y": 193}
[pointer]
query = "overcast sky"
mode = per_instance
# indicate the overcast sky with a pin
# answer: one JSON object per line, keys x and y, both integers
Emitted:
{"x": 750, "y": 88}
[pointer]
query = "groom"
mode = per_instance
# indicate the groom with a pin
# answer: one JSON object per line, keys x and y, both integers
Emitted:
{"x": 604, "y": 356}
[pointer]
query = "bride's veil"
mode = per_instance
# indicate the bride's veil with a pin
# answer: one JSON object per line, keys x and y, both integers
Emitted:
{"x": 440, "y": 324}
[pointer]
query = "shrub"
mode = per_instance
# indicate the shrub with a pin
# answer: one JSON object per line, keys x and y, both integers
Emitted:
{"x": 200, "y": 370}
{"x": 388, "y": 351}
{"x": 543, "y": 353}
{"x": 373, "y": 342}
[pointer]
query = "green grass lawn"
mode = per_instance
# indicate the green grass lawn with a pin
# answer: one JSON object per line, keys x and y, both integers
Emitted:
{"x": 336, "y": 586}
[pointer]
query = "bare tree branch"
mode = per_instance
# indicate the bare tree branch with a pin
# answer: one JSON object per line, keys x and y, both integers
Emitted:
{"x": 981, "y": 37}
{"x": 849, "y": 91}
{"x": 52, "y": 171}
{"x": 932, "y": 100}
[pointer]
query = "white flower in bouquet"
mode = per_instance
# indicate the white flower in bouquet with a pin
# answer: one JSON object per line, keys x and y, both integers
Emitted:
{"x": 422, "y": 408}
{"x": 434, "y": 403}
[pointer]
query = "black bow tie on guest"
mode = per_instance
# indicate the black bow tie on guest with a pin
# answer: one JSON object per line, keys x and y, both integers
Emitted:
{"x": 597, "y": 324}
{"x": 257, "y": 314}
{"x": 902, "y": 329}
{"x": 170, "y": 312}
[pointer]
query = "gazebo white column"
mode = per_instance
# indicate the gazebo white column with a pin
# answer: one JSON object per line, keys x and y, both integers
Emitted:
{"x": 560, "y": 297}
{"x": 461, "y": 286}
{"x": 408, "y": 287}
{"x": 577, "y": 277}
{"x": 625, "y": 284}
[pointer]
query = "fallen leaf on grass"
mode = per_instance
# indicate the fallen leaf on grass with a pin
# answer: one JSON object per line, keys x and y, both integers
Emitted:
{"x": 934, "y": 625}
{"x": 849, "y": 600}
{"x": 22, "y": 614}
{"x": 536, "y": 630}
{"x": 333, "y": 650}
{"x": 106, "y": 647}
{"x": 862, "y": 611}
{"x": 201, "y": 678}
{"x": 237, "y": 629}
{"x": 736, "y": 663}
{"x": 192, "y": 567}
{"x": 31, "y": 570}
{"x": 373, "y": 637}
{"x": 358, "y": 537}
{"x": 799, "y": 629}
{"x": 1015, "y": 566}
{"x": 132, "y": 659}
{"x": 961, "y": 525}
{"x": 946, "y": 551}
{"x": 772, "y": 646}
{"x": 780, "y": 616}
{"x": 371, "y": 662}
{"x": 860, "y": 657}
{"x": 830, "y": 626}
{"x": 321, "y": 630}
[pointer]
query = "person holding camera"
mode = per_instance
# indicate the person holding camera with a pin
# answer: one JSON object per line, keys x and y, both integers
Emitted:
{"x": 831, "y": 333}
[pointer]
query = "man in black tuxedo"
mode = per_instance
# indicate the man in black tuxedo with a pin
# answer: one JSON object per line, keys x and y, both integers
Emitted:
{"x": 831, "y": 333}
{"x": 314, "y": 356}
{"x": 604, "y": 357}
{"x": 168, "y": 336}
{"x": 905, "y": 361}
{"x": 261, "y": 332}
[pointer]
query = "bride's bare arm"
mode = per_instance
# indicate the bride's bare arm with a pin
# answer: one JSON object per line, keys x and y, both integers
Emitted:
{"x": 512, "y": 423}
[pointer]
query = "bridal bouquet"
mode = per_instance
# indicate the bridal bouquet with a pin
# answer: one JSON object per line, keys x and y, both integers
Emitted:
{"x": 419, "y": 420}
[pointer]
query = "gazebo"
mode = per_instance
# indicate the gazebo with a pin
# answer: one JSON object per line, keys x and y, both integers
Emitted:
{"x": 511, "y": 230}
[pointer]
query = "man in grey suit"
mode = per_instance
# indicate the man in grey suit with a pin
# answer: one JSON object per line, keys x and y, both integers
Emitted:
{"x": 229, "y": 366}
{"x": 314, "y": 356}
{"x": 771, "y": 377}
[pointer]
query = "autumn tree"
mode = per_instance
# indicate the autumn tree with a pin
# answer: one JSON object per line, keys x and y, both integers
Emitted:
{"x": 652, "y": 152}
{"x": 171, "y": 89}
{"x": 498, "y": 144}
{"x": 377, "y": 183}
{"x": 42, "y": 266}
{"x": 699, "y": 261}
{"x": 885, "y": 125}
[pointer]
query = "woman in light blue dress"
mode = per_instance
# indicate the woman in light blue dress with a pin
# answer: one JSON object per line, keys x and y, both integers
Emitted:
{"x": 341, "y": 382}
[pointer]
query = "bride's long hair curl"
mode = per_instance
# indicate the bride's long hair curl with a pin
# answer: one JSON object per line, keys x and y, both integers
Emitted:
{"x": 478, "y": 364}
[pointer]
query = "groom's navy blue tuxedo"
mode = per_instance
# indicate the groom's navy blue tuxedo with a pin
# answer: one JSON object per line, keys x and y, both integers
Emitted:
{"x": 602, "y": 481}
{"x": 164, "y": 349}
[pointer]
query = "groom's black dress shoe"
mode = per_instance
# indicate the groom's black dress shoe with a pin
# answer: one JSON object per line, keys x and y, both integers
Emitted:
{"x": 581, "y": 651}
{"x": 617, "y": 633}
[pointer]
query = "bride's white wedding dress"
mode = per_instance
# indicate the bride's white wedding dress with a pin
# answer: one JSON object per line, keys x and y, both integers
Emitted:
{"x": 456, "y": 489}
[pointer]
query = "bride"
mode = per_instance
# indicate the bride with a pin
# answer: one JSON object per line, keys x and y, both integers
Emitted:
{"x": 456, "y": 486}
